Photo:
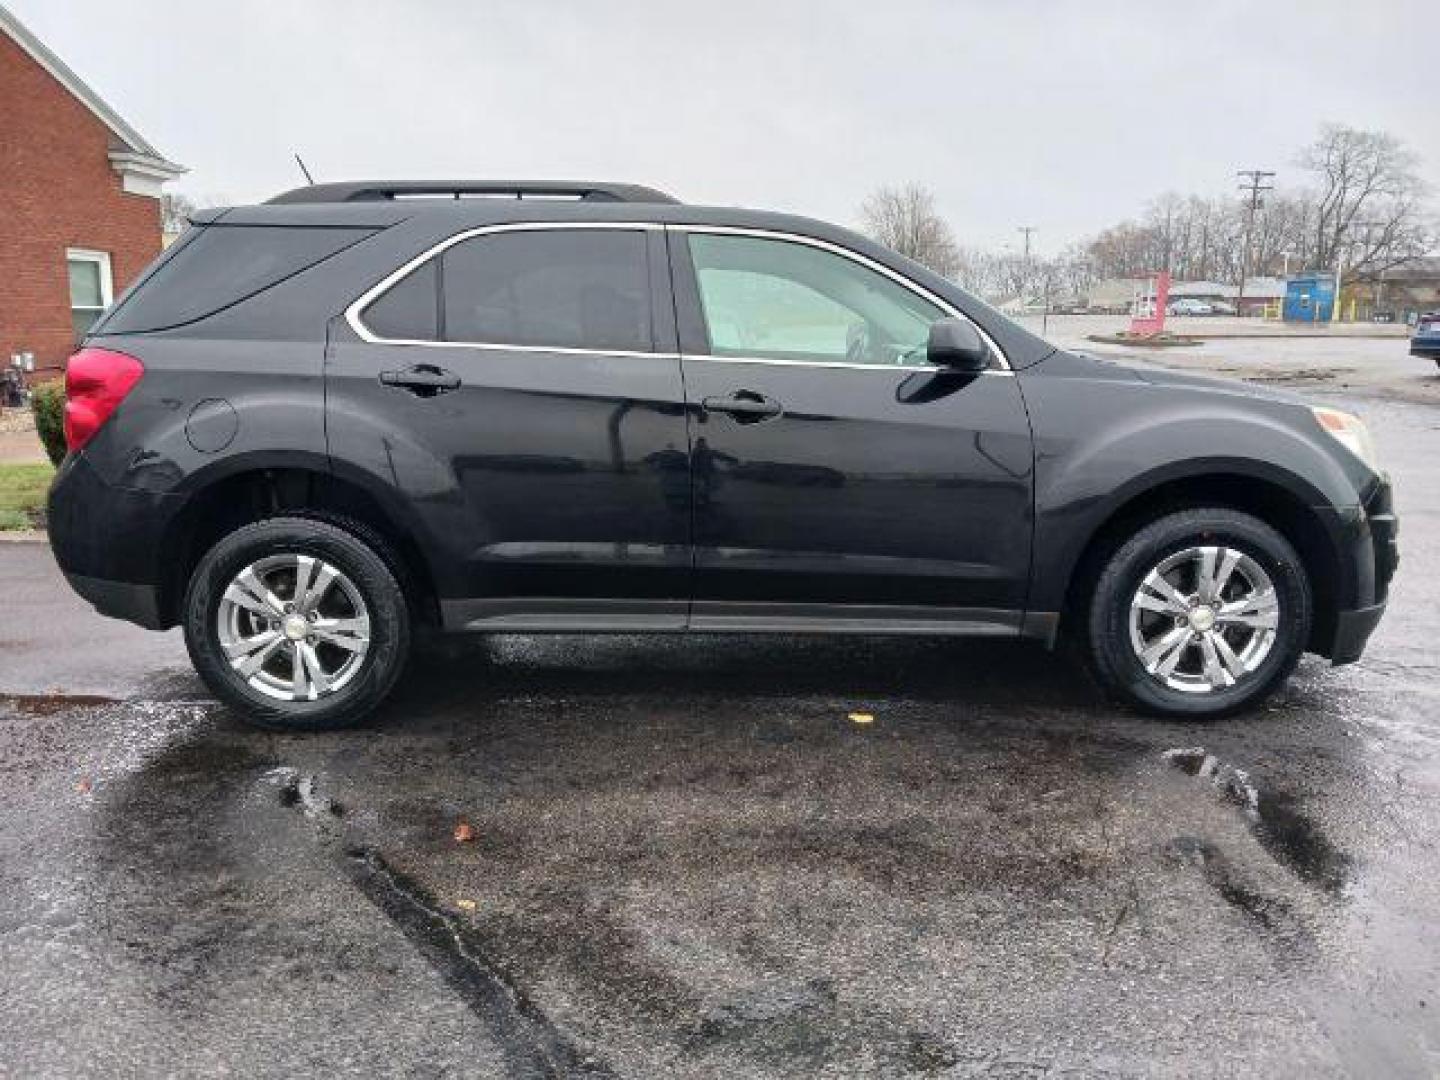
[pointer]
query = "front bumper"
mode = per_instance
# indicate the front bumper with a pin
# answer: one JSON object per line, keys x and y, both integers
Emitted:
{"x": 1378, "y": 553}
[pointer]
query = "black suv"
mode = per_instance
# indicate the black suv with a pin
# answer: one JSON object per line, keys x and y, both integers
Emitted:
{"x": 315, "y": 424}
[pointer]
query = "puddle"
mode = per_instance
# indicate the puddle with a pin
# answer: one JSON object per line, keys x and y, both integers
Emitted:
{"x": 50, "y": 704}
{"x": 1299, "y": 375}
{"x": 297, "y": 790}
{"x": 1289, "y": 836}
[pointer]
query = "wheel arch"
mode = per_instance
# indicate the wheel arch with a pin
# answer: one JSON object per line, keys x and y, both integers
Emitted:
{"x": 1285, "y": 506}
{"x": 224, "y": 501}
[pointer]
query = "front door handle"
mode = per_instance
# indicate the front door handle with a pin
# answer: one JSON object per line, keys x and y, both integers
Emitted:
{"x": 746, "y": 406}
{"x": 424, "y": 380}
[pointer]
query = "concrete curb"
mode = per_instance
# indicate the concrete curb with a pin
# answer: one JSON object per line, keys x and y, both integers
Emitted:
{"x": 24, "y": 536}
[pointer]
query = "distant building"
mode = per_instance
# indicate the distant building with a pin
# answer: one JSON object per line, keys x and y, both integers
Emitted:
{"x": 1116, "y": 296}
{"x": 1309, "y": 298}
{"x": 1402, "y": 292}
{"x": 80, "y": 206}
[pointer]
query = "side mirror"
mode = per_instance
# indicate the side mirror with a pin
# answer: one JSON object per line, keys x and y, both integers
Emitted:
{"x": 956, "y": 345}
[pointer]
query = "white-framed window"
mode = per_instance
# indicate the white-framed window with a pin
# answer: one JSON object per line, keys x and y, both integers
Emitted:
{"x": 91, "y": 287}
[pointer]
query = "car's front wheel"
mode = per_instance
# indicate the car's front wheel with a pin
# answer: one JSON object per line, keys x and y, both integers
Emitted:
{"x": 1200, "y": 613}
{"x": 298, "y": 623}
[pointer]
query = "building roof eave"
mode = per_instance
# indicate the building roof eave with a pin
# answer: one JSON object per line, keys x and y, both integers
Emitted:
{"x": 152, "y": 165}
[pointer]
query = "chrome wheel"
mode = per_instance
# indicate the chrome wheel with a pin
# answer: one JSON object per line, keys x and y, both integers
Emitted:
{"x": 293, "y": 627}
{"x": 1204, "y": 620}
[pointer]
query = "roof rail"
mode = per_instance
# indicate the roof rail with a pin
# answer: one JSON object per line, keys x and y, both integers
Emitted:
{"x": 383, "y": 190}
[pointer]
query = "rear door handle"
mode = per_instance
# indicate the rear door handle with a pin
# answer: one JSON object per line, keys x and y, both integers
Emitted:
{"x": 424, "y": 380}
{"x": 746, "y": 406}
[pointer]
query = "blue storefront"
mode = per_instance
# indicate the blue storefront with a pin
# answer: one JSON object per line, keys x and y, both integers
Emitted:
{"x": 1309, "y": 298}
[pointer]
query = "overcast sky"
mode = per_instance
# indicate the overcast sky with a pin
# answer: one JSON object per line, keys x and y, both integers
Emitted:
{"x": 1064, "y": 116}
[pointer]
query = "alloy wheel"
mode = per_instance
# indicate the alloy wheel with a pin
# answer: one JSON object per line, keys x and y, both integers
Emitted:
{"x": 294, "y": 627}
{"x": 1204, "y": 619}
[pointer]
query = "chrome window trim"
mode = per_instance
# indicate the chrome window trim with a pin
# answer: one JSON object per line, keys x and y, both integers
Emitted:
{"x": 854, "y": 256}
{"x": 370, "y": 295}
{"x": 559, "y": 350}
{"x": 841, "y": 364}
{"x": 352, "y": 313}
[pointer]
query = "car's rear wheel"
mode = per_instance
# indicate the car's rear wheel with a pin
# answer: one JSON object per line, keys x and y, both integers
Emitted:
{"x": 298, "y": 623}
{"x": 1199, "y": 613}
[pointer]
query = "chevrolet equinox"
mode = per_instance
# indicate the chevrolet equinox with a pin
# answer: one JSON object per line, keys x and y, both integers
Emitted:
{"x": 315, "y": 425}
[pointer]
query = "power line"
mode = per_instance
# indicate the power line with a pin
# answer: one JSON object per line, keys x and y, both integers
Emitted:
{"x": 1255, "y": 184}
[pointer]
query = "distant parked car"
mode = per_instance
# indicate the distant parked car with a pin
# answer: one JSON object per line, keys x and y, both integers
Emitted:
{"x": 1025, "y": 305}
{"x": 1189, "y": 307}
{"x": 1383, "y": 317}
{"x": 1220, "y": 307}
{"x": 1426, "y": 339}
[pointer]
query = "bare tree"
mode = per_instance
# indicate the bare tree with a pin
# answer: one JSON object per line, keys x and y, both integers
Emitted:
{"x": 976, "y": 270}
{"x": 905, "y": 219}
{"x": 1368, "y": 213}
{"x": 1281, "y": 236}
{"x": 175, "y": 211}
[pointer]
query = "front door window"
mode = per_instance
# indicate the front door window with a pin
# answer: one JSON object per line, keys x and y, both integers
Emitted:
{"x": 780, "y": 300}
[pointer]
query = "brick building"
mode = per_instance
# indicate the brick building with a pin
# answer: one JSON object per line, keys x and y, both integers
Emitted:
{"x": 79, "y": 201}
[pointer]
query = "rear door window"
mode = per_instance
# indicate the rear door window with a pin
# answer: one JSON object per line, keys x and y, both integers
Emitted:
{"x": 549, "y": 288}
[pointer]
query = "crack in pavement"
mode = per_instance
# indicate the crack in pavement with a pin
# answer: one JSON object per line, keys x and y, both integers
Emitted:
{"x": 532, "y": 1044}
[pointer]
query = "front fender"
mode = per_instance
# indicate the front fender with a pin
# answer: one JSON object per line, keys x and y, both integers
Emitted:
{"x": 1103, "y": 442}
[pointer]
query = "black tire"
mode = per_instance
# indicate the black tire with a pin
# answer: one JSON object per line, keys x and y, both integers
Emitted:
{"x": 1108, "y": 645}
{"x": 338, "y": 543}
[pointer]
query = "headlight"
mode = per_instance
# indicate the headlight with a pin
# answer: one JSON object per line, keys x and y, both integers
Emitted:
{"x": 1350, "y": 431}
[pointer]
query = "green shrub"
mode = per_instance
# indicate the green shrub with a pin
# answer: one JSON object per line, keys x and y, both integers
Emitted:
{"x": 48, "y": 403}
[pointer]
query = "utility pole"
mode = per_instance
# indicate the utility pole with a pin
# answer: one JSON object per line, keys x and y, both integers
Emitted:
{"x": 1366, "y": 252}
{"x": 1254, "y": 184}
{"x": 1027, "y": 230}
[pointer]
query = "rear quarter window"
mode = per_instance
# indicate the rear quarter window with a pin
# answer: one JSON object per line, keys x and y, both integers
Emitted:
{"x": 410, "y": 309}
{"x": 221, "y": 266}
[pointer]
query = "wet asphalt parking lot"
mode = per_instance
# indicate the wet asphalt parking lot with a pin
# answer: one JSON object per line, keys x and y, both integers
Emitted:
{"x": 688, "y": 860}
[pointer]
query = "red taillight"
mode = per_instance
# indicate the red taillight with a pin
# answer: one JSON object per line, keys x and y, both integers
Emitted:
{"x": 96, "y": 381}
